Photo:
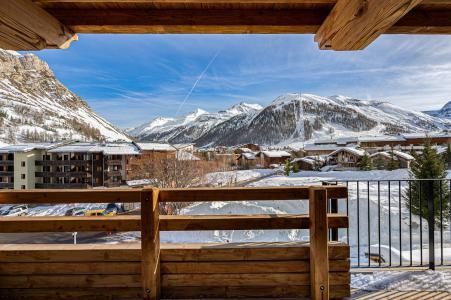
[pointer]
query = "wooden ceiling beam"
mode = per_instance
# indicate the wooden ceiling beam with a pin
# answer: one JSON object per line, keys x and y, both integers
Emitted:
{"x": 25, "y": 26}
{"x": 191, "y": 20}
{"x": 354, "y": 24}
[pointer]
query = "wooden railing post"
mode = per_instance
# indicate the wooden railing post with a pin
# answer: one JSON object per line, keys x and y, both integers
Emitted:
{"x": 150, "y": 244}
{"x": 319, "y": 256}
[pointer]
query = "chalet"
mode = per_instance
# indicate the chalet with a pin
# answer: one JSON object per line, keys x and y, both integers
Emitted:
{"x": 308, "y": 163}
{"x": 320, "y": 149}
{"x": 380, "y": 160}
{"x": 346, "y": 157}
{"x": 247, "y": 160}
{"x": 189, "y": 147}
{"x": 405, "y": 159}
{"x": 269, "y": 159}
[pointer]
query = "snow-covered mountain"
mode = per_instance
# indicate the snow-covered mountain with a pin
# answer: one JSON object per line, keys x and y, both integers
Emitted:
{"x": 35, "y": 106}
{"x": 291, "y": 118}
{"x": 444, "y": 112}
{"x": 190, "y": 127}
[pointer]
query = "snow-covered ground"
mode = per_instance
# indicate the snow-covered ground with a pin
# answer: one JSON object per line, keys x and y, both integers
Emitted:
{"x": 434, "y": 281}
{"x": 231, "y": 177}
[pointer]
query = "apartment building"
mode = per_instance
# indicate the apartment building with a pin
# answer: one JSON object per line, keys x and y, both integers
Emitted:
{"x": 65, "y": 165}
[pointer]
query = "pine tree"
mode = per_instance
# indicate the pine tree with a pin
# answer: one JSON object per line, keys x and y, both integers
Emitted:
{"x": 448, "y": 156}
{"x": 295, "y": 167}
{"x": 366, "y": 164}
{"x": 428, "y": 165}
{"x": 393, "y": 163}
{"x": 287, "y": 168}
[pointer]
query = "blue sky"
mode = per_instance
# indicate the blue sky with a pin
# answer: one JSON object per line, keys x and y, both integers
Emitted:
{"x": 130, "y": 79}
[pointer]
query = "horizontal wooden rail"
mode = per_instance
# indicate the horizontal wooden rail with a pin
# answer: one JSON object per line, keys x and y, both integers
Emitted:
{"x": 167, "y": 223}
{"x": 69, "y": 196}
{"x": 165, "y": 195}
{"x": 243, "y": 194}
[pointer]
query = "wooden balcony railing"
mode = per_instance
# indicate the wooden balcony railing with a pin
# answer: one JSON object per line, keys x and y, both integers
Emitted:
{"x": 319, "y": 269}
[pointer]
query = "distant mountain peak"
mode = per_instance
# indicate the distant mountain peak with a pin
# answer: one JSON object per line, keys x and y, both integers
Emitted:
{"x": 444, "y": 112}
{"x": 295, "y": 117}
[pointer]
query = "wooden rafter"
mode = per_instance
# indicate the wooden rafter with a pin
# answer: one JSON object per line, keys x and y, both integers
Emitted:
{"x": 354, "y": 24}
{"x": 26, "y": 26}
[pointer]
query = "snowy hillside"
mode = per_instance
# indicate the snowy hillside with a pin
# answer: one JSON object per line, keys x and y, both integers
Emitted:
{"x": 190, "y": 127}
{"x": 291, "y": 118}
{"x": 444, "y": 112}
{"x": 35, "y": 106}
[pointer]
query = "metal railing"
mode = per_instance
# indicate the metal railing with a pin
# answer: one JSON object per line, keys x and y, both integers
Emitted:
{"x": 385, "y": 232}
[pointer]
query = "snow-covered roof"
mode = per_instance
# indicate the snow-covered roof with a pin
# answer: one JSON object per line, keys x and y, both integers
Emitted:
{"x": 248, "y": 156}
{"x": 383, "y": 153}
{"x": 307, "y": 160}
{"x": 276, "y": 153}
{"x": 322, "y": 147}
{"x": 403, "y": 155}
{"x": 77, "y": 147}
{"x": 182, "y": 146}
{"x": 27, "y": 147}
{"x": 354, "y": 151}
{"x": 139, "y": 182}
{"x": 382, "y": 138}
{"x": 119, "y": 149}
{"x": 245, "y": 150}
{"x": 145, "y": 146}
{"x": 183, "y": 155}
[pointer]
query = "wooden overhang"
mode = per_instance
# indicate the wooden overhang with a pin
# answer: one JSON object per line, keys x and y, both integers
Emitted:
{"x": 338, "y": 24}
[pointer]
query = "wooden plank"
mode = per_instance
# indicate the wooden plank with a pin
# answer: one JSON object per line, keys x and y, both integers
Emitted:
{"x": 241, "y": 194}
{"x": 295, "y": 291}
{"x": 69, "y": 281}
{"x": 169, "y": 252}
{"x": 150, "y": 244}
{"x": 246, "y": 251}
{"x": 319, "y": 256}
{"x": 70, "y": 253}
{"x": 266, "y": 279}
{"x": 167, "y": 223}
{"x": 26, "y": 26}
{"x": 244, "y": 222}
{"x": 69, "y": 224}
{"x": 74, "y": 268}
{"x": 121, "y": 268}
{"x": 354, "y": 24}
{"x": 69, "y": 196}
{"x": 340, "y": 291}
{"x": 250, "y": 267}
{"x": 71, "y": 293}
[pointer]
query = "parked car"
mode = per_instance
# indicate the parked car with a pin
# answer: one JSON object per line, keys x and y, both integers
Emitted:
{"x": 15, "y": 211}
{"x": 113, "y": 209}
{"x": 76, "y": 211}
{"x": 94, "y": 212}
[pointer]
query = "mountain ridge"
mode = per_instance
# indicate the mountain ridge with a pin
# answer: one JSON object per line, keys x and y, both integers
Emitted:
{"x": 298, "y": 117}
{"x": 36, "y": 106}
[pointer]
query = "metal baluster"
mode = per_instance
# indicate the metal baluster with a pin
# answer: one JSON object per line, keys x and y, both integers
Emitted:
{"x": 441, "y": 223}
{"x": 400, "y": 231}
{"x": 358, "y": 225}
{"x": 410, "y": 220}
{"x": 379, "y": 218}
{"x": 389, "y": 223}
{"x": 369, "y": 227}
{"x": 420, "y": 183}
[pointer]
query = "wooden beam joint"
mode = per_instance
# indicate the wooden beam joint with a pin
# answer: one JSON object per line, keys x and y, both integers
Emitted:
{"x": 354, "y": 24}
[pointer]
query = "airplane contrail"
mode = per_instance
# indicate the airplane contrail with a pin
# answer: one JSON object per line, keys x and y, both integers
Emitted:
{"x": 197, "y": 81}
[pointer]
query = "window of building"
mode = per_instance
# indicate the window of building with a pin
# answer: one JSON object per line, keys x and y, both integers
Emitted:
{"x": 22, "y": 176}
{"x": 22, "y": 164}
{"x": 22, "y": 187}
